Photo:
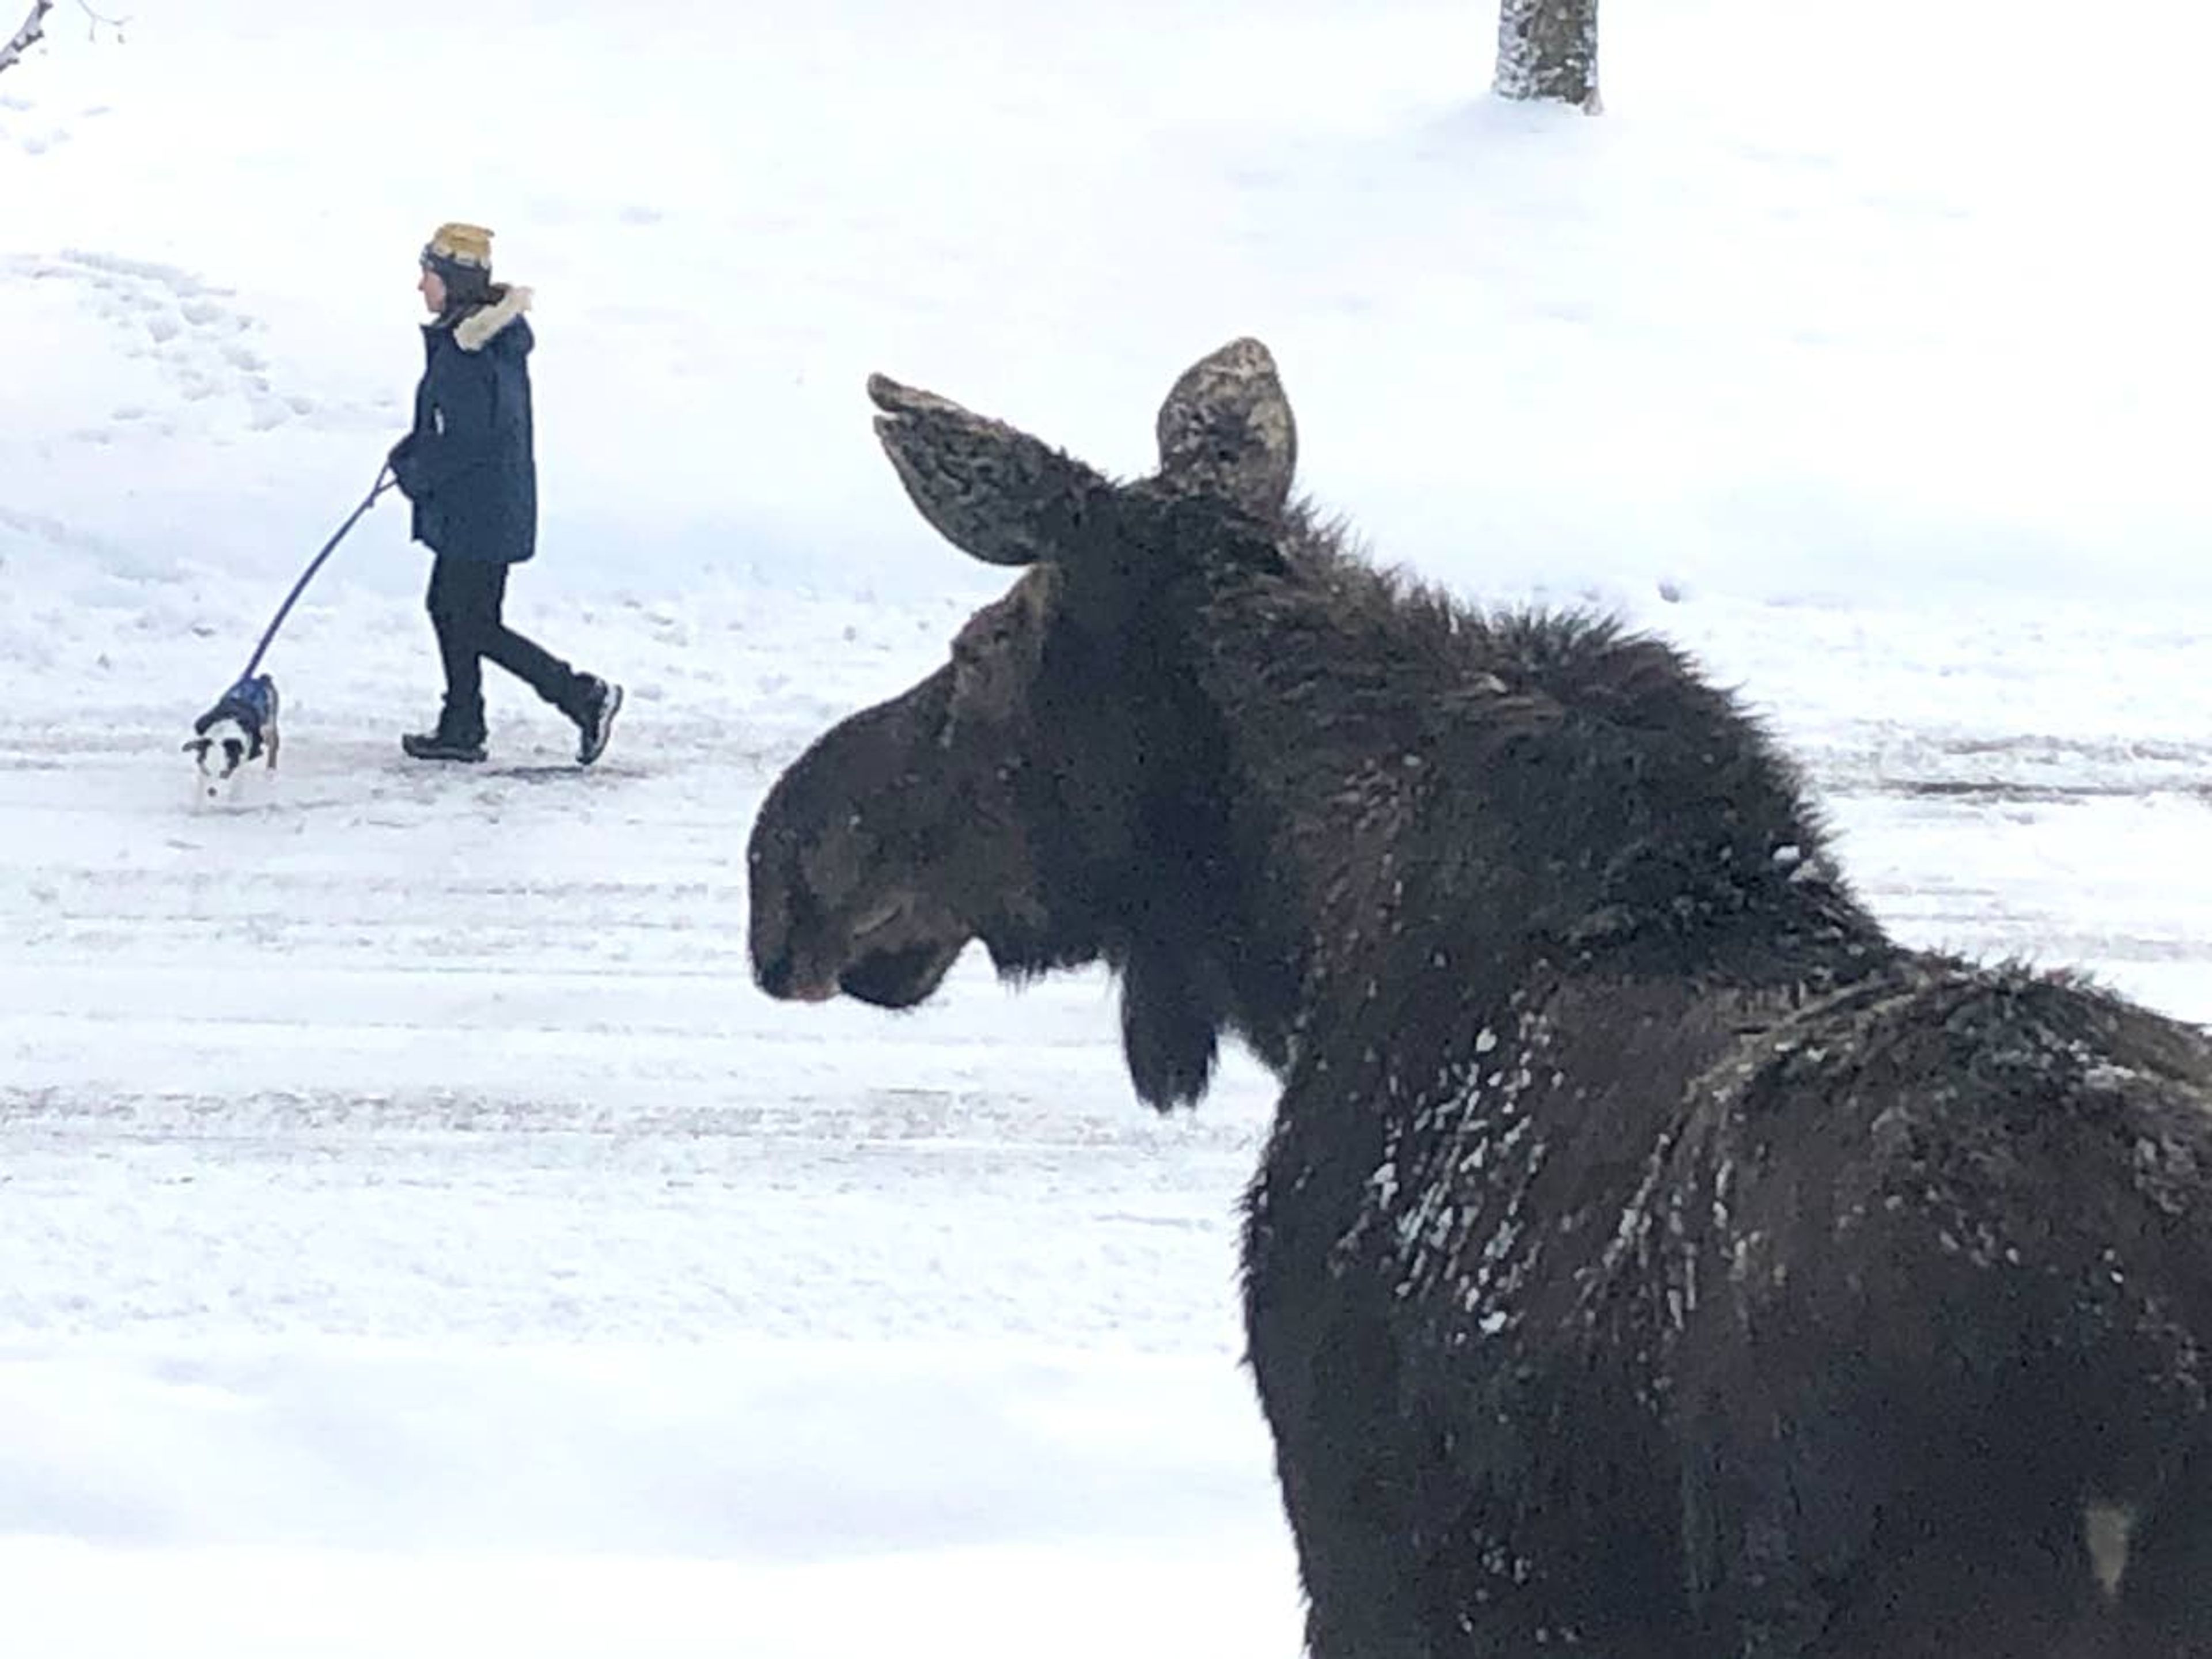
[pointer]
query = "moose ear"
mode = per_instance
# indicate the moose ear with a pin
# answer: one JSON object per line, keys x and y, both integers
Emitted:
{"x": 993, "y": 492}
{"x": 1227, "y": 429}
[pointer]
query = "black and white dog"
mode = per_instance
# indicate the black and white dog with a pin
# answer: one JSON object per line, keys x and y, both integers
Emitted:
{"x": 240, "y": 727}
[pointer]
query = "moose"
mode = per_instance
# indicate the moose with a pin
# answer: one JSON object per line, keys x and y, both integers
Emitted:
{"x": 1650, "y": 1258}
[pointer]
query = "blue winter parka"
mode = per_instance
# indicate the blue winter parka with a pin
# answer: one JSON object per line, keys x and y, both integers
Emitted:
{"x": 469, "y": 466}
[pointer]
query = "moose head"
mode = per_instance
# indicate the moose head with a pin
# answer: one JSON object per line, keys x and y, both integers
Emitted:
{"x": 1054, "y": 789}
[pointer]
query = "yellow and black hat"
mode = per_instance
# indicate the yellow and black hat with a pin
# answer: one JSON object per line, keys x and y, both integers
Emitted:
{"x": 461, "y": 256}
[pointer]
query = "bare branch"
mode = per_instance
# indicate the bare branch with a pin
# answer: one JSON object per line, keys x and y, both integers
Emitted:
{"x": 99, "y": 21}
{"x": 34, "y": 29}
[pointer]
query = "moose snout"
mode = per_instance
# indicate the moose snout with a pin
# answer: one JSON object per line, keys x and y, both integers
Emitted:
{"x": 779, "y": 975}
{"x": 780, "y": 965}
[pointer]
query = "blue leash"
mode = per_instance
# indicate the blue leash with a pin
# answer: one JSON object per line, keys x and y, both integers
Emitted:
{"x": 384, "y": 481}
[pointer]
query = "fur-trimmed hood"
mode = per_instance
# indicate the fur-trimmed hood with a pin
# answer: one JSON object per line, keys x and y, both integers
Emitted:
{"x": 474, "y": 331}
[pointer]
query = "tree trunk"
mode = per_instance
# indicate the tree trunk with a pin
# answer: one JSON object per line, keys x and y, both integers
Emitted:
{"x": 1548, "y": 49}
{"x": 13, "y": 48}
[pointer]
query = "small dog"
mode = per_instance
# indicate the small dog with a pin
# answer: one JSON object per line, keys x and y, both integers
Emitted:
{"x": 240, "y": 727}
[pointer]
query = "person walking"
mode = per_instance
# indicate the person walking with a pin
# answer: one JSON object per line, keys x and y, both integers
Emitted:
{"x": 469, "y": 467}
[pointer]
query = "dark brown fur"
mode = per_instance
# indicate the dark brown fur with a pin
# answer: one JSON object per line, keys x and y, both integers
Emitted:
{"x": 1650, "y": 1258}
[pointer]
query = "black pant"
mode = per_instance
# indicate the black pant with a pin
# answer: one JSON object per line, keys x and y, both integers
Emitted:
{"x": 465, "y": 600}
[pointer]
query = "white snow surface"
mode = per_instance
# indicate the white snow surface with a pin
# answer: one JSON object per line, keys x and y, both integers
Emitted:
{"x": 418, "y": 1236}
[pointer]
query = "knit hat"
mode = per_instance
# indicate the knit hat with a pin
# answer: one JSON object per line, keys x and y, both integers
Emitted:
{"x": 460, "y": 254}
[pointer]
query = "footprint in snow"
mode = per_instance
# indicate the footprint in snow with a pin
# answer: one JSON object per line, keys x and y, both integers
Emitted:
{"x": 195, "y": 334}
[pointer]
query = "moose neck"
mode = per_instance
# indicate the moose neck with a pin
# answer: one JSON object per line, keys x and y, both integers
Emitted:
{"x": 1435, "y": 797}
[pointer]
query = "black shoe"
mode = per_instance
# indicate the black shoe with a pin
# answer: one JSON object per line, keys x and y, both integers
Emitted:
{"x": 603, "y": 701}
{"x": 439, "y": 746}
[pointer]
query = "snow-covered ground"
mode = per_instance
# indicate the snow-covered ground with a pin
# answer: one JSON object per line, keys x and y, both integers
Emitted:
{"x": 415, "y": 1233}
